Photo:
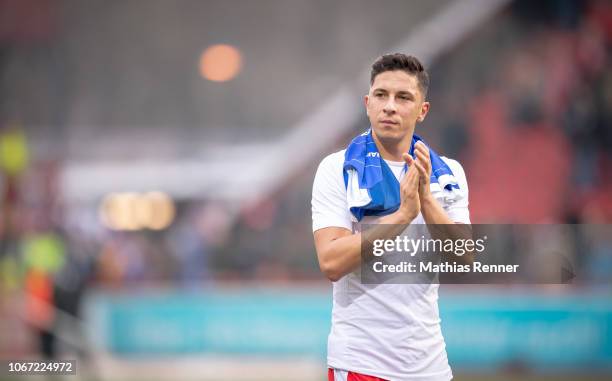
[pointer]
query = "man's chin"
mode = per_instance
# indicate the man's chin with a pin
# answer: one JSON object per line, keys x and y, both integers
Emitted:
{"x": 387, "y": 136}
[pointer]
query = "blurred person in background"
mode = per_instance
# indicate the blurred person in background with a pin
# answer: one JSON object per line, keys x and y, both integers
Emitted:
{"x": 14, "y": 157}
{"x": 44, "y": 254}
{"x": 385, "y": 331}
{"x": 191, "y": 248}
{"x": 549, "y": 95}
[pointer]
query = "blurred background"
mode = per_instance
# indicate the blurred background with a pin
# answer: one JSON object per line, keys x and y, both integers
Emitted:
{"x": 157, "y": 158}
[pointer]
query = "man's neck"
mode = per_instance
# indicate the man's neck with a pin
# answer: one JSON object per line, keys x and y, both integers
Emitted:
{"x": 393, "y": 150}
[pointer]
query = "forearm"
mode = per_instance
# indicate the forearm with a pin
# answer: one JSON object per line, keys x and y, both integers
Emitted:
{"x": 345, "y": 254}
{"x": 433, "y": 213}
{"x": 440, "y": 226}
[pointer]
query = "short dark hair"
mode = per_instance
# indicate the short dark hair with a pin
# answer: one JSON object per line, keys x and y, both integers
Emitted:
{"x": 400, "y": 61}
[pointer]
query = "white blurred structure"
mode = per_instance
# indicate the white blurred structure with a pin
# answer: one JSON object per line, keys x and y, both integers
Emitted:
{"x": 245, "y": 172}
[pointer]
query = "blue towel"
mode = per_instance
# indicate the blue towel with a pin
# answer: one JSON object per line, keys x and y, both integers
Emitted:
{"x": 373, "y": 189}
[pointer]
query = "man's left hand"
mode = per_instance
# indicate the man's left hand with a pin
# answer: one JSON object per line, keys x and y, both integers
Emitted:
{"x": 423, "y": 164}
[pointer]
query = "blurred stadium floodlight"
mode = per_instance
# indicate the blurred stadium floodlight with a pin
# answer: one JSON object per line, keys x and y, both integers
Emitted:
{"x": 220, "y": 63}
{"x": 261, "y": 168}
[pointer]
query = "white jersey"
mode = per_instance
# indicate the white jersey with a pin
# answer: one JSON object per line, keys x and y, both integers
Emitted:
{"x": 391, "y": 331}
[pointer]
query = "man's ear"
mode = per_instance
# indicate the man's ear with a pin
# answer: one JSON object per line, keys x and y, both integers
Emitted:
{"x": 424, "y": 110}
{"x": 366, "y": 101}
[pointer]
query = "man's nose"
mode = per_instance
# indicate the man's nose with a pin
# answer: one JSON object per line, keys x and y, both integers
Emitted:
{"x": 390, "y": 106}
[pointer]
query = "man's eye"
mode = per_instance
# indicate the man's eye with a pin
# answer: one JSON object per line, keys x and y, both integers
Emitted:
{"x": 379, "y": 95}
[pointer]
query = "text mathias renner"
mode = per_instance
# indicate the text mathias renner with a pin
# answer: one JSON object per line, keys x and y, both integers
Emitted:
{"x": 410, "y": 267}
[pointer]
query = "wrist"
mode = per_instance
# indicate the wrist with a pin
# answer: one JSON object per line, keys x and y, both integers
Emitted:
{"x": 428, "y": 201}
{"x": 403, "y": 217}
{"x": 427, "y": 198}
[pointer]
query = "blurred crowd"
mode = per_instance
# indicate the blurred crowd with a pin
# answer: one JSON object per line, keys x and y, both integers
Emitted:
{"x": 540, "y": 146}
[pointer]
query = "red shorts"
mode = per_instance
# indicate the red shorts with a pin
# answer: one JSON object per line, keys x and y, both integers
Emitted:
{"x": 343, "y": 375}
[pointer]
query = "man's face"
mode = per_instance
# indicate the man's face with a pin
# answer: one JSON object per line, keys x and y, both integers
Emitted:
{"x": 394, "y": 105}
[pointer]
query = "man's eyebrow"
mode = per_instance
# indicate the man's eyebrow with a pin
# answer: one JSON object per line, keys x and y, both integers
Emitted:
{"x": 380, "y": 89}
{"x": 405, "y": 92}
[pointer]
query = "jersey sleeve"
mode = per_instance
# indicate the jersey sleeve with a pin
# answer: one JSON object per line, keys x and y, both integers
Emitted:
{"x": 458, "y": 211}
{"x": 329, "y": 204}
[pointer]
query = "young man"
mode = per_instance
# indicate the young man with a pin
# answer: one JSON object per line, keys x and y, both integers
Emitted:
{"x": 386, "y": 176}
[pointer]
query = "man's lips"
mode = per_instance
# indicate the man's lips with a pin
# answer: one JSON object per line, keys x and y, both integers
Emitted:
{"x": 387, "y": 121}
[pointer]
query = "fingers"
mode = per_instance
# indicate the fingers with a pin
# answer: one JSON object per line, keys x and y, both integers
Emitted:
{"x": 410, "y": 185}
{"x": 422, "y": 159}
{"x": 409, "y": 161}
{"x": 416, "y": 180}
{"x": 410, "y": 188}
{"x": 422, "y": 162}
{"x": 411, "y": 180}
{"x": 421, "y": 151}
{"x": 421, "y": 147}
{"x": 423, "y": 172}
{"x": 421, "y": 156}
{"x": 412, "y": 176}
{"x": 407, "y": 158}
